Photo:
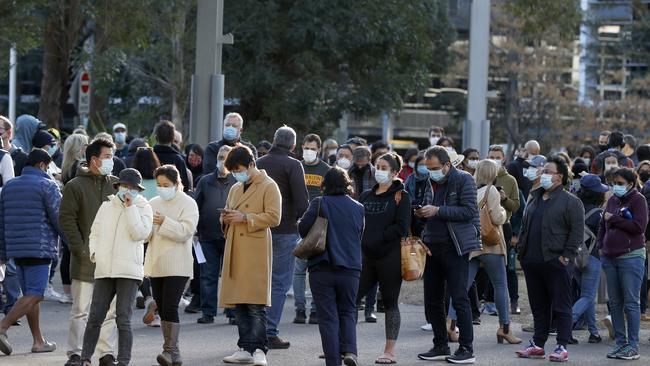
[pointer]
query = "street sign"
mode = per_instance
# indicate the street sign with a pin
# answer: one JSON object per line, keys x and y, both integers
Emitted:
{"x": 83, "y": 107}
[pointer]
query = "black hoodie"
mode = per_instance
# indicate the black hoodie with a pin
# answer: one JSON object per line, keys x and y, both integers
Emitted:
{"x": 387, "y": 222}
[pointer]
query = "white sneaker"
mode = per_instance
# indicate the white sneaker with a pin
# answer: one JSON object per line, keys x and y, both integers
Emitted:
{"x": 156, "y": 322}
{"x": 183, "y": 302}
{"x": 427, "y": 328}
{"x": 259, "y": 358}
{"x": 65, "y": 299}
{"x": 50, "y": 294}
{"x": 241, "y": 357}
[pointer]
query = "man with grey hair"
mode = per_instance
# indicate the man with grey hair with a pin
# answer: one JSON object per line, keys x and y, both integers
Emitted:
{"x": 519, "y": 164}
{"x": 233, "y": 125}
{"x": 289, "y": 175}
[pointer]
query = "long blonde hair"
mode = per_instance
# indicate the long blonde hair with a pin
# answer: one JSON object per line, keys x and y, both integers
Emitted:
{"x": 72, "y": 153}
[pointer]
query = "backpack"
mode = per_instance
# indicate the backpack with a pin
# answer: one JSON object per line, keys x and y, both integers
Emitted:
{"x": 584, "y": 250}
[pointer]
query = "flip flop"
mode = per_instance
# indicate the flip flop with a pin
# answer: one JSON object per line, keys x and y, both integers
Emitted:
{"x": 383, "y": 360}
{"x": 5, "y": 347}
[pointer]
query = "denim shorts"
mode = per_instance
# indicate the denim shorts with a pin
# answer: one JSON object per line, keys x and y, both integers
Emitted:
{"x": 33, "y": 278}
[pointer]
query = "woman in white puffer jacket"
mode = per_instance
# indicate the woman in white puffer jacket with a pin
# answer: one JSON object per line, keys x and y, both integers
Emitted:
{"x": 116, "y": 245}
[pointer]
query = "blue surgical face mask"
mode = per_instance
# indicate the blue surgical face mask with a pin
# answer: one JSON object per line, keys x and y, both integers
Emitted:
{"x": 382, "y": 176}
{"x": 167, "y": 193}
{"x": 120, "y": 137}
{"x": 123, "y": 191}
{"x": 422, "y": 170}
{"x": 546, "y": 181}
{"x": 619, "y": 191}
{"x": 411, "y": 164}
{"x": 107, "y": 166}
{"x": 241, "y": 177}
{"x": 437, "y": 175}
{"x": 230, "y": 133}
{"x": 52, "y": 150}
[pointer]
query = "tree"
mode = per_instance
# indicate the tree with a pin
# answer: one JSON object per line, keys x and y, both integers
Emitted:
{"x": 308, "y": 62}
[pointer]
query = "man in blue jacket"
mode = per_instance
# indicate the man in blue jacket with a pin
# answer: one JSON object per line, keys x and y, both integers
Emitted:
{"x": 451, "y": 232}
{"x": 29, "y": 234}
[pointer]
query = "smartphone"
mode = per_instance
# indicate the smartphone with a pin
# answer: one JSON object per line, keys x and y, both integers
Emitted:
{"x": 417, "y": 207}
{"x": 222, "y": 210}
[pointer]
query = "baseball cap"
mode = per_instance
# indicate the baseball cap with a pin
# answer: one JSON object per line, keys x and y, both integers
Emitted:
{"x": 592, "y": 182}
{"x": 537, "y": 161}
{"x": 118, "y": 126}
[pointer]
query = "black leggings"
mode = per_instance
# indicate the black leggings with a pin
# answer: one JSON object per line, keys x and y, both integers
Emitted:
{"x": 386, "y": 271}
{"x": 64, "y": 268}
{"x": 167, "y": 292}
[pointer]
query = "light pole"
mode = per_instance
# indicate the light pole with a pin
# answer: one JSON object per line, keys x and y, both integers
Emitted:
{"x": 476, "y": 132}
{"x": 206, "y": 108}
{"x": 12, "y": 84}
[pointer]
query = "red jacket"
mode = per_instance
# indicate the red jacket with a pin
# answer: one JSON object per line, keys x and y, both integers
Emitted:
{"x": 405, "y": 172}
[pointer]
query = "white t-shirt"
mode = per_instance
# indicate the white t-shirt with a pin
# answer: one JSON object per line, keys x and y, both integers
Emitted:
{"x": 6, "y": 169}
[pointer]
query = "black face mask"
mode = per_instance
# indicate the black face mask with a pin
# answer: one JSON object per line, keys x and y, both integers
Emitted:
{"x": 603, "y": 148}
{"x": 644, "y": 176}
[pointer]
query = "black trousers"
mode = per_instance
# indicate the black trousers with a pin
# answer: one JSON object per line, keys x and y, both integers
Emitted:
{"x": 549, "y": 294}
{"x": 167, "y": 292}
{"x": 511, "y": 274}
{"x": 445, "y": 265}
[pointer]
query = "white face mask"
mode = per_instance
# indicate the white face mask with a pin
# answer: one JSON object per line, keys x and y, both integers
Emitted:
{"x": 498, "y": 162}
{"x": 531, "y": 173}
{"x": 107, "y": 167}
{"x": 433, "y": 140}
{"x": 472, "y": 164}
{"x": 310, "y": 156}
{"x": 331, "y": 152}
{"x": 344, "y": 163}
{"x": 609, "y": 167}
{"x": 449, "y": 148}
{"x": 382, "y": 176}
{"x": 166, "y": 193}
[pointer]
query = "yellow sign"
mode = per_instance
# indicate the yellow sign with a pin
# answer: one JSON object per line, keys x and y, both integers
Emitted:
{"x": 313, "y": 180}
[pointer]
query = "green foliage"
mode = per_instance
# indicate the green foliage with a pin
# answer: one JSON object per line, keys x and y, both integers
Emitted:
{"x": 307, "y": 62}
{"x": 546, "y": 20}
{"x": 21, "y": 24}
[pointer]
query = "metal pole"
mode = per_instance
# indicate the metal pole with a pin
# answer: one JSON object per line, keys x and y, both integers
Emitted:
{"x": 479, "y": 54}
{"x": 12, "y": 84}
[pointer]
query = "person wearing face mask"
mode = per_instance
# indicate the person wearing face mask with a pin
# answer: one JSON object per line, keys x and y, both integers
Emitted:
{"x": 552, "y": 231}
{"x": 210, "y": 195}
{"x": 29, "y": 210}
{"x": 44, "y": 140}
{"x": 253, "y": 207}
{"x": 361, "y": 172}
{"x": 451, "y": 232}
{"x": 615, "y": 143}
{"x": 534, "y": 172}
{"x": 263, "y": 148}
{"x": 315, "y": 170}
{"x": 387, "y": 213}
{"x": 120, "y": 137}
{"x": 81, "y": 200}
{"x": 446, "y": 142}
{"x": 587, "y": 155}
{"x": 409, "y": 164}
{"x": 169, "y": 262}
{"x": 233, "y": 126}
{"x": 472, "y": 157}
{"x": 435, "y": 133}
{"x": 344, "y": 157}
{"x": 622, "y": 242}
{"x": 329, "y": 151}
{"x": 194, "y": 160}
{"x": 117, "y": 235}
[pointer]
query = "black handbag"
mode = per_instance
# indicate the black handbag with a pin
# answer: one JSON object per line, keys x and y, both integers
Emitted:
{"x": 314, "y": 243}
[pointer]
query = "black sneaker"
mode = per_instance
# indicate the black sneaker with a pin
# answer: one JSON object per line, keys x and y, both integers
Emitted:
{"x": 277, "y": 343}
{"x": 371, "y": 318}
{"x": 205, "y": 319}
{"x": 476, "y": 321}
{"x": 463, "y": 355}
{"x": 436, "y": 354}
{"x": 572, "y": 340}
{"x": 74, "y": 360}
{"x": 192, "y": 309}
{"x": 595, "y": 338}
{"x": 301, "y": 317}
{"x": 313, "y": 319}
{"x": 108, "y": 360}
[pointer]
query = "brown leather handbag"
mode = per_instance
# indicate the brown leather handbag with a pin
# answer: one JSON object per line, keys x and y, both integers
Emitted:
{"x": 316, "y": 240}
{"x": 414, "y": 258}
{"x": 490, "y": 235}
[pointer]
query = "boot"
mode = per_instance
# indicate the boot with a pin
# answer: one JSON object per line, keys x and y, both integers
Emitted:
{"x": 452, "y": 331}
{"x": 174, "y": 330}
{"x": 165, "y": 358}
{"x": 504, "y": 333}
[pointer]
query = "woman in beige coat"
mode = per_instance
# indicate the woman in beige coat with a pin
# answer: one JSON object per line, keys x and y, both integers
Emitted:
{"x": 492, "y": 257}
{"x": 169, "y": 260}
{"x": 253, "y": 207}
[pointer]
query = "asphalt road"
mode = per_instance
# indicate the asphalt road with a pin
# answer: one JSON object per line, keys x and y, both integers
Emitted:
{"x": 208, "y": 344}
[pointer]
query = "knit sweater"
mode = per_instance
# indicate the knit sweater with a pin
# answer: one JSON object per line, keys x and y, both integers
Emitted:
{"x": 170, "y": 245}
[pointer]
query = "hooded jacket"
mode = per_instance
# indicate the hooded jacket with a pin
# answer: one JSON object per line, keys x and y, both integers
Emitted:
{"x": 29, "y": 216}
{"x": 620, "y": 235}
{"x": 82, "y": 197}
{"x": 388, "y": 217}
{"x": 26, "y": 127}
{"x": 116, "y": 242}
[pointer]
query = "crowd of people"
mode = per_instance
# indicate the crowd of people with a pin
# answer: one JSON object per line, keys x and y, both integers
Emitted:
{"x": 129, "y": 225}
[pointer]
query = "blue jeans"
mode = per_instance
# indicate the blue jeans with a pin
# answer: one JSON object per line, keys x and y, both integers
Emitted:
{"x": 624, "y": 277}
{"x": 283, "y": 263}
{"x": 588, "y": 278}
{"x": 299, "y": 284}
{"x": 213, "y": 252}
{"x": 251, "y": 323}
{"x": 335, "y": 293}
{"x": 11, "y": 286}
{"x": 495, "y": 267}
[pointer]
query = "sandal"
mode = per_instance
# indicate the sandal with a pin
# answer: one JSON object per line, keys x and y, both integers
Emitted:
{"x": 385, "y": 360}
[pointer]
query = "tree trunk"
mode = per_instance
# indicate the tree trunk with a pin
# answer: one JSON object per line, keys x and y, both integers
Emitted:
{"x": 61, "y": 32}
